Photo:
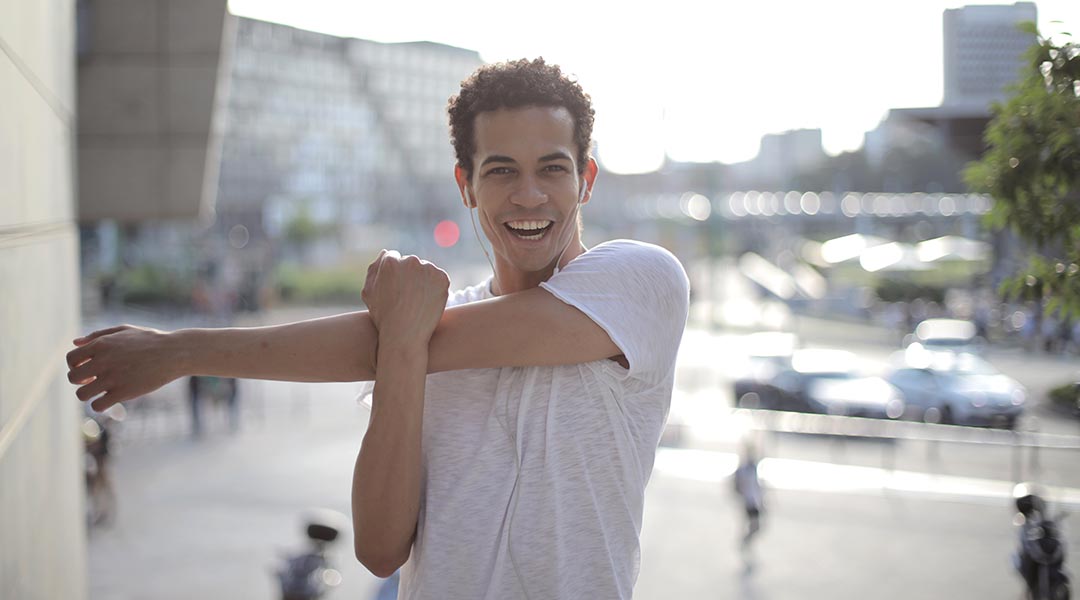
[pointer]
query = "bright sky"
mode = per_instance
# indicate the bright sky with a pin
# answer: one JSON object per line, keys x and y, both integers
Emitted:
{"x": 699, "y": 81}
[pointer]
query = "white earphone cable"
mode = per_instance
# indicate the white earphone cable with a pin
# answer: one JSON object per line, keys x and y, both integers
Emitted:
{"x": 570, "y": 239}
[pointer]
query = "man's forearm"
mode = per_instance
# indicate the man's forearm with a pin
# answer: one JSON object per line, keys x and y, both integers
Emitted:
{"x": 386, "y": 480}
{"x": 337, "y": 348}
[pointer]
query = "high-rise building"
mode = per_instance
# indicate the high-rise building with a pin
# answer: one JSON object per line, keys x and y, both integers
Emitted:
{"x": 984, "y": 51}
{"x": 983, "y": 54}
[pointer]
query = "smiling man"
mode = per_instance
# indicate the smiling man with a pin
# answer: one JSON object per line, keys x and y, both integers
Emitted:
{"x": 514, "y": 423}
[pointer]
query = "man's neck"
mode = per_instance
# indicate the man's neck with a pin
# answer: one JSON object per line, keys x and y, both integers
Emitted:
{"x": 509, "y": 279}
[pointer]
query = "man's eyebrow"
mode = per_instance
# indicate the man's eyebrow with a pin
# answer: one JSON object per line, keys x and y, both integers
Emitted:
{"x": 555, "y": 156}
{"x": 497, "y": 158}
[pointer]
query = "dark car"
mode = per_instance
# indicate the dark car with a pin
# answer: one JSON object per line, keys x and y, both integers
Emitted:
{"x": 768, "y": 353}
{"x": 856, "y": 396}
{"x": 828, "y": 381}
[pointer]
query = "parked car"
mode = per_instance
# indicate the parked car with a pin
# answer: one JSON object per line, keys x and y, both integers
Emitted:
{"x": 957, "y": 388}
{"x": 828, "y": 381}
{"x": 768, "y": 353}
{"x": 856, "y": 396}
{"x": 953, "y": 335}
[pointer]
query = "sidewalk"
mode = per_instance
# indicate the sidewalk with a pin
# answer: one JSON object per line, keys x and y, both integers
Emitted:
{"x": 207, "y": 519}
{"x": 210, "y": 518}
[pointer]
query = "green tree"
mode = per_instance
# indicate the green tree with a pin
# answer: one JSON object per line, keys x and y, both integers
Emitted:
{"x": 1031, "y": 168}
{"x": 301, "y": 229}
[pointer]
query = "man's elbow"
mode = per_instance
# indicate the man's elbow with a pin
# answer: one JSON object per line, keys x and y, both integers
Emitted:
{"x": 380, "y": 562}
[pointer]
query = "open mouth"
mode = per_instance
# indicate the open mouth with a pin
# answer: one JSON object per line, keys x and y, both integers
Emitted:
{"x": 529, "y": 230}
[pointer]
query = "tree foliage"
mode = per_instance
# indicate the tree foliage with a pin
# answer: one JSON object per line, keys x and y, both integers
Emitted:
{"x": 1032, "y": 170}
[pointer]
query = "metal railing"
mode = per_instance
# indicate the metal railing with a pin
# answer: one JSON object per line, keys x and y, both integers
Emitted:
{"x": 1017, "y": 441}
{"x": 809, "y": 423}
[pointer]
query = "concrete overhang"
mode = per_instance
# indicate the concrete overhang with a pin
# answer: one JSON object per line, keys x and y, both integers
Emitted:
{"x": 149, "y": 78}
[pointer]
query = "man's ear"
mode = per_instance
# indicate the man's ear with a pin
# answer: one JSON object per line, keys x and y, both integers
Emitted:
{"x": 463, "y": 186}
{"x": 591, "y": 171}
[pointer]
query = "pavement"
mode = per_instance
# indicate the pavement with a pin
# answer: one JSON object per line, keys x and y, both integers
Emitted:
{"x": 211, "y": 517}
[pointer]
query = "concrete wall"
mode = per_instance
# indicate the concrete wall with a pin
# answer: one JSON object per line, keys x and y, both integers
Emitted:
{"x": 148, "y": 70}
{"x": 42, "y": 527}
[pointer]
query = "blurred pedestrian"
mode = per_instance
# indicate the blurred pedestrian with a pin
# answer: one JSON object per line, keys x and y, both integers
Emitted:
{"x": 748, "y": 487}
{"x": 100, "y": 496}
{"x": 219, "y": 390}
{"x": 194, "y": 404}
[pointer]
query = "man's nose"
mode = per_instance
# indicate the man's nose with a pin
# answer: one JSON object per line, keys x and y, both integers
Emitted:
{"x": 530, "y": 194}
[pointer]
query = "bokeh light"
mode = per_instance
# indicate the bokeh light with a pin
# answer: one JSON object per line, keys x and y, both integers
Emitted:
{"x": 447, "y": 234}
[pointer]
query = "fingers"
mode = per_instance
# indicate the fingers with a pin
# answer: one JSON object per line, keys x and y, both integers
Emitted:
{"x": 394, "y": 265}
{"x": 84, "y": 344}
{"x": 105, "y": 402}
{"x": 373, "y": 268}
{"x": 78, "y": 356}
{"x": 444, "y": 277}
{"x": 86, "y": 339}
{"x": 92, "y": 389}
{"x": 82, "y": 374}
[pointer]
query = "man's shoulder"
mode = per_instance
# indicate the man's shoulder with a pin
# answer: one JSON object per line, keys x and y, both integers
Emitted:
{"x": 638, "y": 256}
{"x": 630, "y": 249}
{"x": 628, "y": 245}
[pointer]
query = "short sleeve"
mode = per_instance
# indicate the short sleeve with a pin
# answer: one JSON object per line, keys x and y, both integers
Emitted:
{"x": 638, "y": 293}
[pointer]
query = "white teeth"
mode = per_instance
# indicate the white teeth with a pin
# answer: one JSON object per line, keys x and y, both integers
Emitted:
{"x": 528, "y": 225}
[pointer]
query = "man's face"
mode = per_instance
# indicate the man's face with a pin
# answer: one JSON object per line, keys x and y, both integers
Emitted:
{"x": 525, "y": 184}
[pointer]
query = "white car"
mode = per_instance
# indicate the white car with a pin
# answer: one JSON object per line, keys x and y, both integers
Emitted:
{"x": 958, "y": 388}
{"x": 954, "y": 335}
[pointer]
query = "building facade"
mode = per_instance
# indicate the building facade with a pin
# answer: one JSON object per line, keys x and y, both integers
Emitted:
{"x": 105, "y": 117}
{"x": 43, "y": 548}
{"x": 983, "y": 54}
{"x": 351, "y": 133}
{"x": 983, "y": 51}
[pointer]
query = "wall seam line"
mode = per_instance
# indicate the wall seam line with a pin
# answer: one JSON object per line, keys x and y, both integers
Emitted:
{"x": 22, "y": 236}
{"x": 36, "y": 393}
{"x": 66, "y": 116}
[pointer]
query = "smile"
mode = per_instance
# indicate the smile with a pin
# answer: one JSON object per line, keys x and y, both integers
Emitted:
{"x": 529, "y": 230}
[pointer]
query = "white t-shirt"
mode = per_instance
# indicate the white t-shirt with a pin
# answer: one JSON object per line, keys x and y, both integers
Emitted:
{"x": 534, "y": 478}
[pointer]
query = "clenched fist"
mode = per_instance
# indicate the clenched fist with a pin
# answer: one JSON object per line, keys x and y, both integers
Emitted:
{"x": 405, "y": 296}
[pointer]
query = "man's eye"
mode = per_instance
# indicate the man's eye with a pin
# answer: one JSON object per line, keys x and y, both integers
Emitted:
{"x": 500, "y": 171}
{"x": 555, "y": 168}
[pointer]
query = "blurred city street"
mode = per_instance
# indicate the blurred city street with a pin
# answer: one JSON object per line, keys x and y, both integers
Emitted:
{"x": 845, "y": 518}
{"x": 883, "y": 332}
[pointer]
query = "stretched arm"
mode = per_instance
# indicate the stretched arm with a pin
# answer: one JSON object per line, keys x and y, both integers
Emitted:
{"x": 407, "y": 298}
{"x": 125, "y": 362}
{"x": 529, "y": 328}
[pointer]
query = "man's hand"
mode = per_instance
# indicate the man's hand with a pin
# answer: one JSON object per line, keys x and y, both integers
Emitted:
{"x": 122, "y": 363}
{"x": 405, "y": 296}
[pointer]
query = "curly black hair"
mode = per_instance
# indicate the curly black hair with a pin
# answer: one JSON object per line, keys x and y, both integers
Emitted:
{"x": 517, "y": 84}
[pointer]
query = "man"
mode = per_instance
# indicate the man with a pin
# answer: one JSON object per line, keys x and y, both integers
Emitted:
{"x": 514, "y": 423}
{"x": 748, "y": 487}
